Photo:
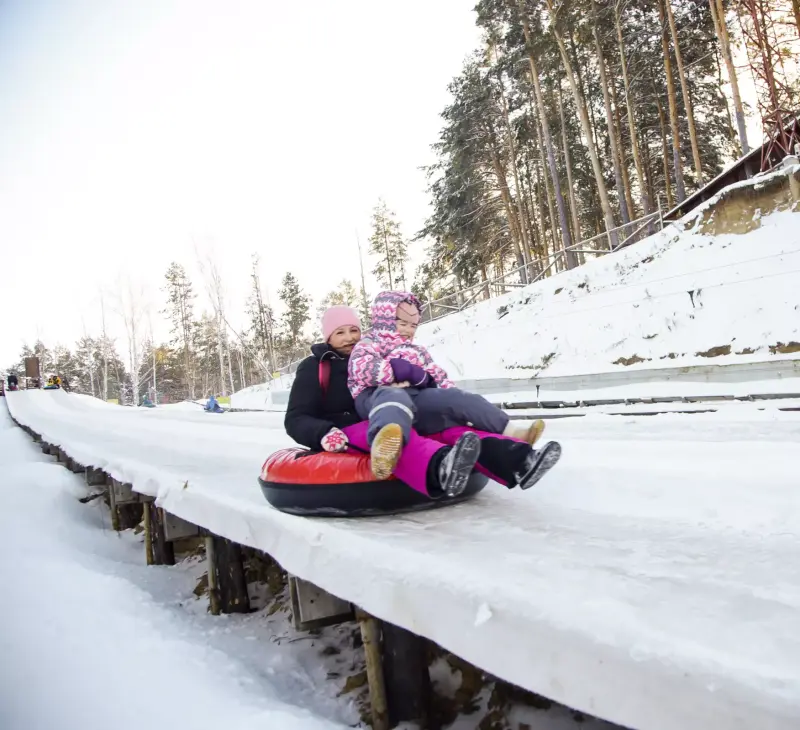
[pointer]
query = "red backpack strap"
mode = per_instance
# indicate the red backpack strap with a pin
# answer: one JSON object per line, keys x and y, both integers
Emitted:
{"x": 324, "y": 375}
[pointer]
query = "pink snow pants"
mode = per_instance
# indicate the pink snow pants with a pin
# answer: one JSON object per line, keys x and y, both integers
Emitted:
{"x": 412, "y": 468}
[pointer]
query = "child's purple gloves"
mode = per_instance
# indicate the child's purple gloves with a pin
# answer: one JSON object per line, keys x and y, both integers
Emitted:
{"x": 405, "y": 371}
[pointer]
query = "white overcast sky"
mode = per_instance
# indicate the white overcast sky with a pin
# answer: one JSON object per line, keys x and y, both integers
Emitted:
{"x": 132, "y": 131}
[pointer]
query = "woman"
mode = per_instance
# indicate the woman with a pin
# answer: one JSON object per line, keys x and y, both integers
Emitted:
{"x": 321, "y": 414}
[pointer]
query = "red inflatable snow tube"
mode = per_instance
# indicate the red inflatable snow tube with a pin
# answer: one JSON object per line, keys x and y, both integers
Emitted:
{"x": 321, "y": 484}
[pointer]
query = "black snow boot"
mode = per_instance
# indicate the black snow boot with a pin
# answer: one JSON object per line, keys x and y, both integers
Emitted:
{"x": 451, "y": 467}
{"x": 517, "y": 464}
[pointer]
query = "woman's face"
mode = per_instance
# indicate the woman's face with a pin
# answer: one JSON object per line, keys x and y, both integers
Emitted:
{"x": 344, "y": 339}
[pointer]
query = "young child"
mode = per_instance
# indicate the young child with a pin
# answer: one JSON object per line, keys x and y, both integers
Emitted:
{"x": 396, "y": 383}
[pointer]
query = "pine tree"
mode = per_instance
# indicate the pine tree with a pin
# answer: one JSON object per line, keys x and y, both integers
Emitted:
{"x": 297, "y": 305}
{"x": 387, "y": 243}
{"x": 345, "y": 293}
{"x": 180, "y": 305}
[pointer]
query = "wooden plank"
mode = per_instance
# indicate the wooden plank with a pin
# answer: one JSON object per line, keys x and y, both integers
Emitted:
{"x": 233, "y": 596}
{"x": 313, "y": 608}
{"x": 163, "y": 550}
{"x": 213, "y": 586}
{"x": 95, "y": 477}
{"x": 148, "y": 535}
{"x": 130, "y": 515}
{"x": 405, "y": 674}
{"x": 123, "y": 493}
{"x": 176, "y": 528}
{"x": 370, "y": 635}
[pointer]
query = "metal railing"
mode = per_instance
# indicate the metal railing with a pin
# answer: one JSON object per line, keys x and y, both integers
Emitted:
{"x": 537, "y": 269}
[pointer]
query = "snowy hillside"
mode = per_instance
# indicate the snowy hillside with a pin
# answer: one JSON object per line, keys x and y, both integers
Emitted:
{"x": 681, "y": 297}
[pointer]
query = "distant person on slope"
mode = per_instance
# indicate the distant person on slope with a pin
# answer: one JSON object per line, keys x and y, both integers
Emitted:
{"x": 321, "y": 414}
{"x": 13, "y": 382}
{"x": 395, "y": 384}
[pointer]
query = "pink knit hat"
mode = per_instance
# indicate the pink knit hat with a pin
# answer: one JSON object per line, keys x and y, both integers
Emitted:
{"x": 338, "y": 316}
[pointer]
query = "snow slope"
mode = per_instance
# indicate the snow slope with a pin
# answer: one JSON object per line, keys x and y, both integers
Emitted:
{"x": 663, "y": 301}
{"x": 91, "y": 638}
{"x": 653, "y": 579}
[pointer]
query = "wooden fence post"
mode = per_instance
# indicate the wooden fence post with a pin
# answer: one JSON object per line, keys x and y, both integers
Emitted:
{"x": 370, "y": 635}
{"x": 233, "y": 596}
{"x": 405, "y": 672}
{"x": 163, "y": 551}
{"x": 213, "y": 586}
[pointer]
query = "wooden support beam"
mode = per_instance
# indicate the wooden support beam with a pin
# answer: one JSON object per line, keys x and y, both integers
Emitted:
{"x": 313, "y": 608}
{"x": 176, "y": 528}
{"x": 163, "y": 551}
{"x": 148, "y": 534}
{"x": 123, "y": 493}
{"x": 126, "y": 509}
{"x": 370, "y": 635}
{"x": 213, "y": 586}
{"x": 406, "y": 677}
{"x": 95, "y": 477}
{"x": 130, "y": 515}
{"x": 61, "y": 455}
{"x": 230, "y": 577}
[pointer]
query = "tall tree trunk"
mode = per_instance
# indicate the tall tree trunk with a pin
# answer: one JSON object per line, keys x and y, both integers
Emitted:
{"x": 612, "y": 136}
{"x": 583, "y": 114}
{"x": 664, "y": 153}
{"x": 548, "y": 191}
{"x": 505, "y": 195}
{"x": 687, "y": 98}
{"x": 721, "y": 26}
{"x": 626, "y": 181}
{"x": 673, "y": 108}
{"x": 534, "y": 234}
{"x": 637, "y": 155}
{"x": 542, "y": 184}
{"x": 728, "y": 116}
{"x": 584, "y": 95}
{"x": 566, "y": 237}
{"x": 796, "y": 10}
{"x": 388, "y": 256}
{"x": 512, "y": 156}
{"x": 573, "y": 202}
{"x": 536, "y": 231}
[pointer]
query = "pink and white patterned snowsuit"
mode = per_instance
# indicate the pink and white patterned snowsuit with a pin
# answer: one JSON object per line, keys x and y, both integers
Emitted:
{"x": 430, "y": 409}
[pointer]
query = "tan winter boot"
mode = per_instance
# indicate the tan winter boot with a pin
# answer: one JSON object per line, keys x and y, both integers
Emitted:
{"x": 385, "y": 451}
{"x": 530, "y": 432}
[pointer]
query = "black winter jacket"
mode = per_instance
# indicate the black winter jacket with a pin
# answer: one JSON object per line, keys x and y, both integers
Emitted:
{"x": 309, "y": 416}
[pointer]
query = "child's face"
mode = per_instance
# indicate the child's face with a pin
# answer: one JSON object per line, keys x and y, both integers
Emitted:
{"x": 407, "y": 320}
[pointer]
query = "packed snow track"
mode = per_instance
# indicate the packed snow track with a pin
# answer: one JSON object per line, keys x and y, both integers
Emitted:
{"x": 652, "y": 579}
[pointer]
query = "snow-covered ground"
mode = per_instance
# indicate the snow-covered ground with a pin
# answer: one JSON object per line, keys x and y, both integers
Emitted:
{"x": 667, "y": 301}
{"x": 92, "y": 638}
{"x": 652, "y": 579}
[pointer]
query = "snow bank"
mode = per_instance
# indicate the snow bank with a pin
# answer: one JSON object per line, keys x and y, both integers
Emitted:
{"x": 85, "y": 625}
{"x": 652, "y": 579}
{"x": 272, "y": 396}
{"x": 677, "y": 298}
